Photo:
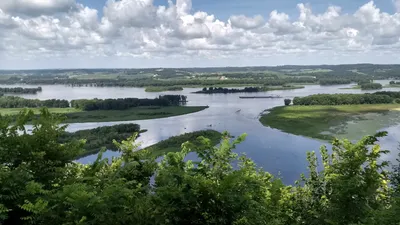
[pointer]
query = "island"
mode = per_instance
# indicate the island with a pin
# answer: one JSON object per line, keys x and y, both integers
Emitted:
{"x": 324, "y": 116}
{"x": 173, "y": 144}
{"x": 220, "y": 90}
{"x": 103, "y": 110}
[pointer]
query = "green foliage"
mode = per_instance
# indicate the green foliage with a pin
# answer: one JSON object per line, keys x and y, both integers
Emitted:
{"x": 174, "y": 144}
{"x": 162, "y": 89}
{"x": 221, "y": 90}
{"x": 343, "y": 99}
{"x": 126, "y": 103}
{"x": 371, "y": 86}
{"x": 287, "y": 101}
{"x": 334, "y": 81}
{"x": 101, "y": 137}
{"x": 322, "y": 122}
{"x": 20, "y": 90}
{"x": 40, "y": 183}
{"x": 18, "y": 102}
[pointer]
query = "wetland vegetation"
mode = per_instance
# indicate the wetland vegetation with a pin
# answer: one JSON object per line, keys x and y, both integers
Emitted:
{"x": 317, "y": 121}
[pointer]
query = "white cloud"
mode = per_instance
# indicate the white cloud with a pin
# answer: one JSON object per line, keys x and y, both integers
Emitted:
{"x": 397, "y": 5}
{"x": 39, "y": 30}
{"x": 244, "y": 22}
{"x": 36, "y": 7}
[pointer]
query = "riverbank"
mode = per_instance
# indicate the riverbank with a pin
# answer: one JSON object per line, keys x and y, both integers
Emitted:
{"x": 174, "y": 144}
{"x": 137, "y": 113}
{"x": 321, "y": 122}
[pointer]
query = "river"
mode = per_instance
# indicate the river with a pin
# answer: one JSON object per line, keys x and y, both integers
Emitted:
{"x": 275, "y": 151}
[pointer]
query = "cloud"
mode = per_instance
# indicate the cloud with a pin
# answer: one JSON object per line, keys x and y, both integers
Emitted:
{"x": 247, "y": 23}
{"x": 397, "y": 5}
{"x": 63, "y": 29}
{"x": 36, "y": 7}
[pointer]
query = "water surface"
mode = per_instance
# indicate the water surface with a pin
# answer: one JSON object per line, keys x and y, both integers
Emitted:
{"x": 275, "y": 151}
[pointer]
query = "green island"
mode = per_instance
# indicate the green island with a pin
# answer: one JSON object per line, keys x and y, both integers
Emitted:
{"x": 101, "y": 137}
{"x": 221, "y": 90}
{"x": 103, "y": 110}
{"x": 324, "y": 116}
{"x": 138, "y": 113}
{"x": 163, "y": 89}
{"x": 320, "y": 122}
{"x": 173, "y": 144}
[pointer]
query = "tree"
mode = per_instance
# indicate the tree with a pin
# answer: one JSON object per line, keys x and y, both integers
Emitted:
{"x": 41, "y": 184}
{"x": 288, "y": 101}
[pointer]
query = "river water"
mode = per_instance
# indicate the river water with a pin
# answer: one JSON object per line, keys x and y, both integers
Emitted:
{"x": 275, "y": 151}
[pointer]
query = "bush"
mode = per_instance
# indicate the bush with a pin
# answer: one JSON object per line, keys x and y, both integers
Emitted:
{"x": 288, "y": 101}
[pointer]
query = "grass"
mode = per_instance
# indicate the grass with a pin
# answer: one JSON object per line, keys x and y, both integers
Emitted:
{"x": 174, "y": 144}
{"x": 138, "y": 113}
{"x": 15, "y": 111}
{"x": 162, "y": 89}
{"x": 318, "y": 121}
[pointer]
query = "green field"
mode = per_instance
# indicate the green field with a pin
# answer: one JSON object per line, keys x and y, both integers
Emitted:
{"x": 324, "y": 122}
{"x": 162, "y": 89}
{"x": 14, "y": 111}
{"x": 139, "y": 113}
{"x": 174, "y": 144}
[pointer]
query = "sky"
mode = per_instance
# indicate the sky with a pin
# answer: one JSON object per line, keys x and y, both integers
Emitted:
{"x": 44, "y": 34}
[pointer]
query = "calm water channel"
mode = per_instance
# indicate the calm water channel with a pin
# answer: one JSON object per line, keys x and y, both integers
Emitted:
{"x": 275, "y": 151}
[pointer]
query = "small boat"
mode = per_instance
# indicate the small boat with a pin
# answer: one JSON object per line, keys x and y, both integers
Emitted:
{"x": 238, "y": 111}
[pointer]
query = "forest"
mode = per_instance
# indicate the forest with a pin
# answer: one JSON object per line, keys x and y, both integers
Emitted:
{"x": 126, "y": 103}
{"x": 18, "y": 102}
{"x": 20, "y": 90}
{"x": 346, "y": 99}
{"x": 220, "y": 90}
{"x": 42, "y": 184}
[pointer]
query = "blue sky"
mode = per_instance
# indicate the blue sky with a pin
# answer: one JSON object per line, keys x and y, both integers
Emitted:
{"x": 222, "y": 9}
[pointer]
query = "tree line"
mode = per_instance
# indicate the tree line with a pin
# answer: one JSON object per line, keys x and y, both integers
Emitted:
{"x": 126, "y": 103}
{"x": 18, "y": 102}
{"x": 153, "y": 82}
{"x": 371, "y": 86}
{"x": 20, "y": 90}
{"x": 334, "y": 81}
{"x": 220, "y": 90}
{"x": 42, "y": 184}
{"x": 343, "y": 99}
{"x": 92, "y": 104}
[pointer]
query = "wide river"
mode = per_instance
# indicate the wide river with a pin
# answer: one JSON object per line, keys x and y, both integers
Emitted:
{"x": 275, "y": 151}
